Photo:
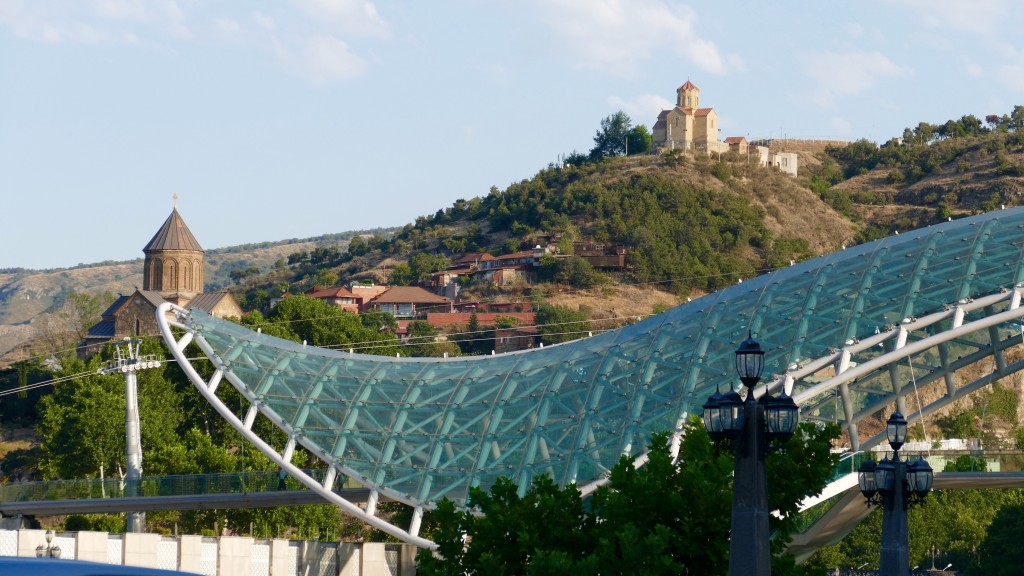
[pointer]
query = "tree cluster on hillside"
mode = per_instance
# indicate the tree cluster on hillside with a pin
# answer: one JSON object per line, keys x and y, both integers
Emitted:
{"x": 667, "y": 517}
{"x": 616, "y": 137}
{"x": 929, "y": 149}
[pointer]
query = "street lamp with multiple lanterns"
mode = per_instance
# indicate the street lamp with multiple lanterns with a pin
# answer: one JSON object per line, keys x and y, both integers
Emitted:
{"x": 895, "y": 485}
{"x": 750, "y": 425}
{"x": 49, "y": 550}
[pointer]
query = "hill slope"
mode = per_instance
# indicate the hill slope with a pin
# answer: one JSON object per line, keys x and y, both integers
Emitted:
{"x": 692, "y": 223}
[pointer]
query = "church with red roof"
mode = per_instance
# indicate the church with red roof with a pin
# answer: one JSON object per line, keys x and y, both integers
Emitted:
{"x": 688, "y": 126}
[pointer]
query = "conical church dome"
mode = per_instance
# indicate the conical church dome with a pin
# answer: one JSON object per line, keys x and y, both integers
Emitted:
{"x": 174, "y": 261}
{"x": 173, "y": 235}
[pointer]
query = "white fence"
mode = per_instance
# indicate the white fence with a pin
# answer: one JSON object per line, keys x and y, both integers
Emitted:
{"x": 223, "y": 556}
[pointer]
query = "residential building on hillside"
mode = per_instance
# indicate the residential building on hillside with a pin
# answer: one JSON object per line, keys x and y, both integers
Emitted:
{"x": 737, "y": 144}
{"x": 784, "y": 161}
{"x": 601, "y": 255}
{"x": 339, "y": 296}
{"x": 408, "y": 302}
{"x": 172, "y": 272}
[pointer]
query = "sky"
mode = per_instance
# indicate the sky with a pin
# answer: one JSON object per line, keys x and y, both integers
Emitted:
{"x": 296, "y": 118}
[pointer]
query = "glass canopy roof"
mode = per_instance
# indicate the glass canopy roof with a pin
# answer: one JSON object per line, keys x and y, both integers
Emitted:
{"x": 422, "y": 429}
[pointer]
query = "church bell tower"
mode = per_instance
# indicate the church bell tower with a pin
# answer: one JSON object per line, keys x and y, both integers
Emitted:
{"x": 174, "y": 261}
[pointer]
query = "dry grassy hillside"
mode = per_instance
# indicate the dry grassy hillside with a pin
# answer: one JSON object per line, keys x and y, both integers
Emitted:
{"x": 30, "y": 299}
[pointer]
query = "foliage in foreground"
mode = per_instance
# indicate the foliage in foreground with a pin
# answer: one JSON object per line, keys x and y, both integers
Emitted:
{"x": 663, "y": 518}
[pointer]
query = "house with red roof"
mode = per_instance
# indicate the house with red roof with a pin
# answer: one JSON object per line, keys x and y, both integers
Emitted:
{"x": 408, "y": 302}
{"x": 339, "y": 296}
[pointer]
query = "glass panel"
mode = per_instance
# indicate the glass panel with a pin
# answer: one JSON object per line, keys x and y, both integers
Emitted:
{"x": 431, "y": 428}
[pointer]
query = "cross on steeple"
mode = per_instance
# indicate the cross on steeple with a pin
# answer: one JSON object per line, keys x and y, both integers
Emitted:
{"x": 175, "y": 200}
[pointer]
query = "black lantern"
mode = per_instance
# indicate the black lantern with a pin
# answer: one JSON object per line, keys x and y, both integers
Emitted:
{"x": 885, "y": 474}
{"x": 896, "y": 430}
{"x": 866, "y": 479}
{"x": 731, "y": 409}
{"x": 749, "y": 362}
{"x": 919, "y": 477}
{"x": 713, "y": 417}
{"x": 781, "y": 415}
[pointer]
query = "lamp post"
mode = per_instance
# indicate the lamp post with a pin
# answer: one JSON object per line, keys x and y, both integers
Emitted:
{"x": 895, "y": 485}
{"x": 48, "y": 551}
{"x": 750, "y": 425}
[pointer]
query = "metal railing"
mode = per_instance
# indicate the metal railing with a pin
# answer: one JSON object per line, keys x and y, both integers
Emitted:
{"x": 177, "y": 485}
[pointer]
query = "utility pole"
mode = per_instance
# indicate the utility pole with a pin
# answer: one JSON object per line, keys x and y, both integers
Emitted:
{"x": 128, "y": 362}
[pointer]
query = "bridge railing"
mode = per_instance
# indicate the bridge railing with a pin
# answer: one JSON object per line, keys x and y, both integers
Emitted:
{"x": 995, "y": 460}
{"x": 176, "y": 485}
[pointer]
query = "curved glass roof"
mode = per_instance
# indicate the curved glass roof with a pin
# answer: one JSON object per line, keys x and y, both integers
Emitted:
{"x": 422, "y": 429}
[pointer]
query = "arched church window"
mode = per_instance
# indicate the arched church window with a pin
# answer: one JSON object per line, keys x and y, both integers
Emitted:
{"x": 157, "y": 275}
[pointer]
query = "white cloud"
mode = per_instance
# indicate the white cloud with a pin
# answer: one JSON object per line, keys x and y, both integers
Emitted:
{"x": 120, "y": 9}
{"x": 1011, "y": 72}
{"x": 840, "y": 126}
{"x": 349, "y": 17}
{"x": 642, "y": 109}
{"x": 174, "y": 16}
{"x": 618, "y": 34}
{"x": 325, "y": 58}
{"x": 498, "y": 73}
{"x": 228, "y": 27}
{"x": 263, "y": 21}
{"x": 976, "y": 16}
{"x": 972, "y": 68}
{"x": 850, "y": 73}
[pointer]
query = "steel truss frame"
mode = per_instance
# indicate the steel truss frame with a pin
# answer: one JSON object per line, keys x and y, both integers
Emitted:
{"x": 847, "y": 335}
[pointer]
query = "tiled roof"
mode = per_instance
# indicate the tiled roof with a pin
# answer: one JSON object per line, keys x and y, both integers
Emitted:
{"x": 335, "y": 292}
{"x": 734, "y": 139}
{"x": 415, "y": 294}
{"x": 173, "y": 235}
{"x": 470, "y": 258}
{"x": 113, "y": 308}
{"x": 689, "y": 86}
{"x": 154, "y": 298}
{"x": 104, "y": 329}
{"x": 207, "y": 301}
{"x": 702, "y": 111}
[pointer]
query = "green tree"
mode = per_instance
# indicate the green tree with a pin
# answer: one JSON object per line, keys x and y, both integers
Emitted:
{"x": 82, "y": 422}
{"x": 610, "y": 139}
{"x": 422, "y": 341}
{"x": 422, "y": 265}
{"x": 324, "y": 278}
{"x": 639, "y": 140}
{"x": 1001, "y": 553}
{"x": 357, "y": 246}
{"x": 379, "y": 320}
{"x": 669, "y": 517}
{"x": 321, "y": 324}
{"x": 401, "y": 275}
{"x": 561, "y": 323}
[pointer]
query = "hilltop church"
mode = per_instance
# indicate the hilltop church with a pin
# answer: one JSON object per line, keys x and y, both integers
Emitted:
{"x": 172, "y": 272}
{"x": 688, "y": 126}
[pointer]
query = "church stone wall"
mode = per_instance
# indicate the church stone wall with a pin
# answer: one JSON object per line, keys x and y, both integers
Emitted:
{"x": 137, "y": 317}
